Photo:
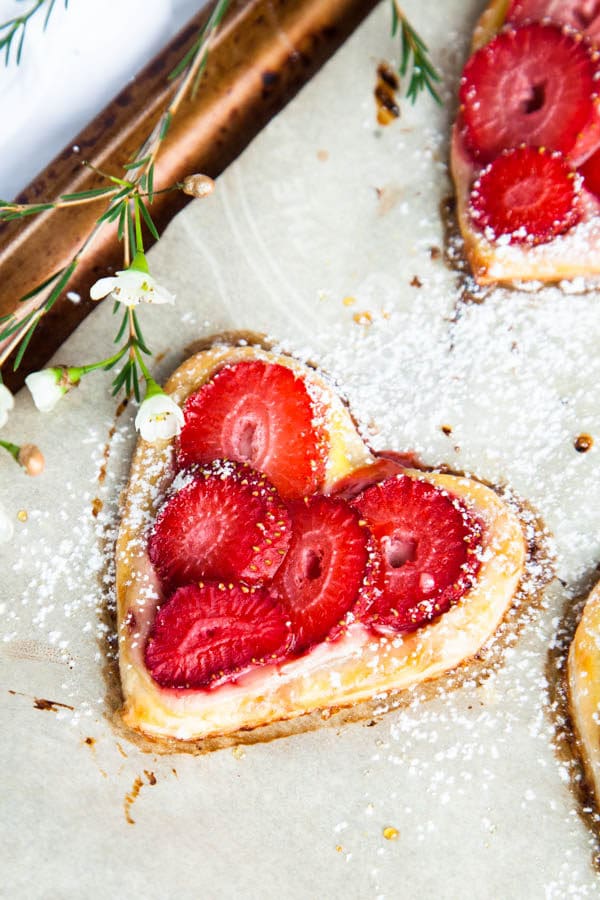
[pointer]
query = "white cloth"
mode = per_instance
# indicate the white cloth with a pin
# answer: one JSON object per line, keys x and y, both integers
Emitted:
{"x": 71, "y": 71}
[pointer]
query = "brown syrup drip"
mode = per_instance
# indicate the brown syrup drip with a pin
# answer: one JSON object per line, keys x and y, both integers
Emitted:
{"x": 134, "y": 793}
{"x": 583, "y": 443}
{"x": 42, "y": 703}
{"x": 106, "y": 455}
{"x": 50, "y": 705}
{"x": 386, "y": 88}
{"x": 130, "y": 799}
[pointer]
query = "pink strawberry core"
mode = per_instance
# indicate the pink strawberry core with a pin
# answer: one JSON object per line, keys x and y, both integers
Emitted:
{"x": 398, "y": 550}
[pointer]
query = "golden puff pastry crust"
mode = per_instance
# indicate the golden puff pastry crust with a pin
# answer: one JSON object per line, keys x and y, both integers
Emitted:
{"x": 583, "y": 675}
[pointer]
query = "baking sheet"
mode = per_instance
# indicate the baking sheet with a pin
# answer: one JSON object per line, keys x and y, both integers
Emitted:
{"x": 319, "y": 235}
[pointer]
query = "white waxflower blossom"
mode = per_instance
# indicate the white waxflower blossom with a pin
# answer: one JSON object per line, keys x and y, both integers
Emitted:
{"x": 46, "y": 388}
{"x": 130, "y": 287}
{"x": 6, "y": 404}
{"x": 159, "y": 418}
{"x": 7, "y": 528}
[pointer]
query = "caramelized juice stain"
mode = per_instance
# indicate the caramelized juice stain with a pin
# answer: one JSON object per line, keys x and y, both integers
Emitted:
{"x": 132, "y": 795}
{"x": 106, "y": 455}
{"x": 386, "y": 100}
{"x": 130, "y": 799}
{"x": 50, "y": 705}
{"x": 583, "y": 443}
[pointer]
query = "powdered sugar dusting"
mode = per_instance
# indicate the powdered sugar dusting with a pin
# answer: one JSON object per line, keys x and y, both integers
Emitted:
{"x": 468, "y": 777}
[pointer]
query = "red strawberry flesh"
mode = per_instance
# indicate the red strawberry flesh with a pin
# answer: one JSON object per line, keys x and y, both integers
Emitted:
{"x": 428, "y": 544}
{"x": 590, "y": 171}
{"x": 582, "y": 15}
{"x": 320, "y": 578}
{"x": 526, "y": 194}
{"x": 260, "y": 413}
{"x": 208, "y": 633}
{"x": 531, "y": 85}
{"x": 226, "y": 522}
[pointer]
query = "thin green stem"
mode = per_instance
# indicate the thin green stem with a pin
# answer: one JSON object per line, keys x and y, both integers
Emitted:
{"x": 145, "y": 370}
{"x": 13, "y": 449}
{"x": 107, "y": 363}
{"x": 139, "y": 241}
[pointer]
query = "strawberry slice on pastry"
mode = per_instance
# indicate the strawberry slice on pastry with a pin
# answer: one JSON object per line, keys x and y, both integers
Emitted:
{"x": 262, "y": 415}
{"x": 208, "y": 631}
{"x": 428, "y": 543}
{"x": 226, "y": 522}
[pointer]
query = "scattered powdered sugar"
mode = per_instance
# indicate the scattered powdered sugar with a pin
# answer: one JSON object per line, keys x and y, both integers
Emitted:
{"x": 480, "y": 761}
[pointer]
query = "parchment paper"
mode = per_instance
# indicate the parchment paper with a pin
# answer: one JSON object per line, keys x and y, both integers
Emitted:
{"x": 315, "y": 235}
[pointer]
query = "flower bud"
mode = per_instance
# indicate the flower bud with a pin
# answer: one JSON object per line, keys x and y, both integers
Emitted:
{"x": 47, "y": 387}
{"x": 31, "y": 459}
{"x": 198, "y": 185}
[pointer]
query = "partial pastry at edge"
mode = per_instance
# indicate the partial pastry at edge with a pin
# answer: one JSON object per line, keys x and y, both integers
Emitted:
{"x": 583, "y": 674}
{"x": 555, "y": 236}
{"x": 356, "y": 664}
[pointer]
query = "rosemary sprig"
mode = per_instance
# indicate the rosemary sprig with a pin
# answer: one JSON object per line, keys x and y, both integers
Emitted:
{"x": 15, "y": 29}
{"x": 414, "y": 55}
{"x": 128, "y": 199}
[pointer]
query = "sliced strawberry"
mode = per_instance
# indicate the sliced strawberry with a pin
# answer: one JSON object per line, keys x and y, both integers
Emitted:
{"x": 320, "y": 577}
{"x": 428, "y": 544}
{"x": 210, "y": 632}
{"x": 260, "y": 413}
{"x": 528, "y": 195}
{"x": 582, "y": 15}
{"x": 226, "y": 522}
{"x": 531, "y": 85}
{"x": 591, "y": 174}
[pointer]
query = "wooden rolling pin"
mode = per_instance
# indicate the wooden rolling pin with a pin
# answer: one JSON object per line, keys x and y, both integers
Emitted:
{"x": 263, "y": 53}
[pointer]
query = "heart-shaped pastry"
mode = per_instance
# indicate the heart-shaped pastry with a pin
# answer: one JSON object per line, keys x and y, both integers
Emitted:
{"x": 269, "y": 565}
{"x": 525, "y": 153}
